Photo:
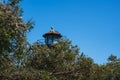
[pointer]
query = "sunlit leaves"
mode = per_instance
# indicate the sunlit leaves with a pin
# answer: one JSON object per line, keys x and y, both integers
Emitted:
{"x": 13, "y": 42}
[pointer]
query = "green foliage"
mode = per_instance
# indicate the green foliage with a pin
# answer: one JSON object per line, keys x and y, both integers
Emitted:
{"x": 114, "y": 68}
{"x": 13, "y": 42}
{"x": 12, "y": 30}
{"x": 57, "y": 60}
{"x": 112, "y": 58}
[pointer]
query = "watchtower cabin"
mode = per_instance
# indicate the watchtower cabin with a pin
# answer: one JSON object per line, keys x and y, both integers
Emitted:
{"x": 52, "y": 37}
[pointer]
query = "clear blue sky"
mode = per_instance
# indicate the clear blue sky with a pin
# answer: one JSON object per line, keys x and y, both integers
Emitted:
{"x": 93, "y": 25}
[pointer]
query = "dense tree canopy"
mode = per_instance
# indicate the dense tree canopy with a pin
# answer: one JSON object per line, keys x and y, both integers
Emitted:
{"x": 13, "y": 29}
{"x": 20, "y": 60}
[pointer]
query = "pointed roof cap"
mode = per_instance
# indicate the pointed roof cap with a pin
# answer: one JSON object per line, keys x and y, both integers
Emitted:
{"x": 52, "y": 32}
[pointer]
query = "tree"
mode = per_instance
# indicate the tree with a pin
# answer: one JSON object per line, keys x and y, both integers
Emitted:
{"x": 112, "y": 58}
{"x": 13, "y": 29}
{"x": 114, "y": 68}
{"x": 107, "y": 71}
{"x": 60, "y": 61}
{"x": 57, "y": 60}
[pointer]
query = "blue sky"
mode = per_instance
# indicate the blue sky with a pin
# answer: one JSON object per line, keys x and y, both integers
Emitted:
{"x": 93, "y": 25}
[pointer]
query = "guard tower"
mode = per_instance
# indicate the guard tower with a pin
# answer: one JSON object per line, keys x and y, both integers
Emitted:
{"x": 52, "y": 37}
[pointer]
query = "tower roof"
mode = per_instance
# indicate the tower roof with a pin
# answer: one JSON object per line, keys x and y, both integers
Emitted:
{"x": 52, "y": 32}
